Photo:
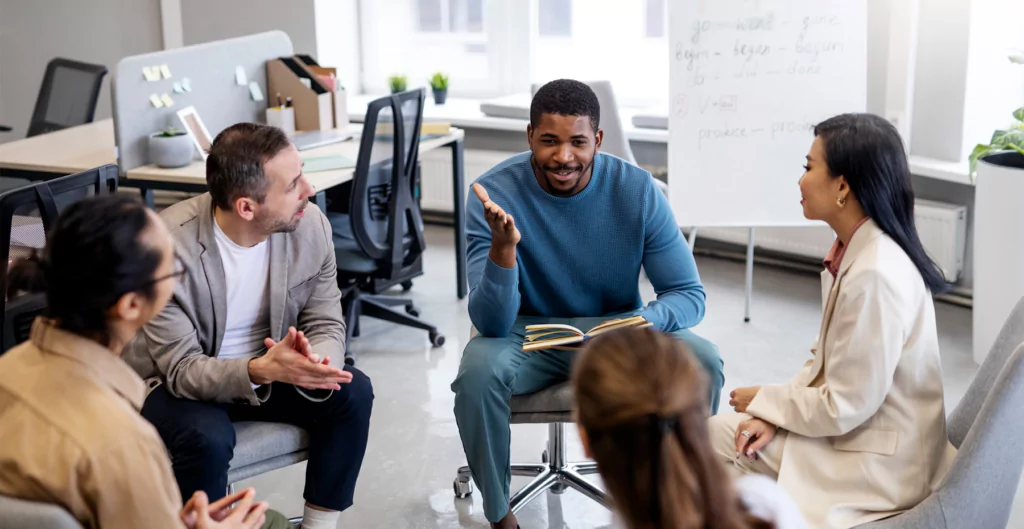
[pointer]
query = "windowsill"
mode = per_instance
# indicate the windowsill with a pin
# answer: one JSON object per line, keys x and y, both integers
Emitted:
{"x": 465, "y": 113}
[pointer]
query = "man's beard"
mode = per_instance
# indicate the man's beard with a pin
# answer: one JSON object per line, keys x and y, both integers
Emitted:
{"x": 271, "y": 226}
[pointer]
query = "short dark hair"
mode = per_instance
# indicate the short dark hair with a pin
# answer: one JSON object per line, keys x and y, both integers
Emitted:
{"x": 234, "y": 168}
{"x": 566, "y": 97}
{"x": 95, "y": 253}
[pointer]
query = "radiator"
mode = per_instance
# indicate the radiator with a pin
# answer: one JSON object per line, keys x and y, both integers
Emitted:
{"x": 942, "y": 227}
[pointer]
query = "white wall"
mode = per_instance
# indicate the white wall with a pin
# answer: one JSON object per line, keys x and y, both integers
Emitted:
{"x": 206, "y": 20}
{"x": 97, "y": 31}
{"x": 337, "y": 39}
{"x": 965, "y": 86}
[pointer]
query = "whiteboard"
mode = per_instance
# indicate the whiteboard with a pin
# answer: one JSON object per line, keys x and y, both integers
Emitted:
{"x": 748, "y": 81}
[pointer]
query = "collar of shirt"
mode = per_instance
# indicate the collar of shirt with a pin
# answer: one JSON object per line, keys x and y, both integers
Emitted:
{"x": 838, "y": 250}
{"x": 103, "y": 366}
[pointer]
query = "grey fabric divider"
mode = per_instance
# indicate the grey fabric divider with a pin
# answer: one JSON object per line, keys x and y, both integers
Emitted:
{"x": 210, "y": 70}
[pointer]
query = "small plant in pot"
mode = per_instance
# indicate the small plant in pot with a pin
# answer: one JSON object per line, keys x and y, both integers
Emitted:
{"x": 170, "y": 148}
{"x": 398, "y": 83}
{"x": 439, "y": 85}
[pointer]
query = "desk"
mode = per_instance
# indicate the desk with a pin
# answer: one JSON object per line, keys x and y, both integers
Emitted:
{"x": 84, "y": 147}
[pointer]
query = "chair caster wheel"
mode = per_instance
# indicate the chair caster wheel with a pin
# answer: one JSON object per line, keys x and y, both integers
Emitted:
{"x": 558, "y": 488}
{"x": 350, "y": 360}
{"x": 406, "y": 286}
{"x": 412, "y": 312}
{"x": 462, "y": 488}
{"x": 544, "y": 457}
{"x": 436, "y": 339}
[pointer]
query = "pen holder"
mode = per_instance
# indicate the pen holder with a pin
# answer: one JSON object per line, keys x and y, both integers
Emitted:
{"x": 282, "y": 118}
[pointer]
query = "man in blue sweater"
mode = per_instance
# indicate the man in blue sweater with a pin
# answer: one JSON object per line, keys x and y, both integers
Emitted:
{"x": 559, "y": 235}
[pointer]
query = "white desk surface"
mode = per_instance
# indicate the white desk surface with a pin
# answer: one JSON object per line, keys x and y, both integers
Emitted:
{"x": 87, "y": 146}
{"x": 71, "y": 150}
{"x": 195, "y": 173}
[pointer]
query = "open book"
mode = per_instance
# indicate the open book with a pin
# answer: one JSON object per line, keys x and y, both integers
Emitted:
{"x": 561, "y": 336}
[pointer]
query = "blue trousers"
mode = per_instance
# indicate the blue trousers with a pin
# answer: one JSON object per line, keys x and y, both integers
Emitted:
{"x": 494, "y": 369}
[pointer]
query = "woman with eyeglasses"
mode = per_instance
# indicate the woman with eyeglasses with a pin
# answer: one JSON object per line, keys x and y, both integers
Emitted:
{"x": 72, "y": 434}
{"x": 641, "y": 408}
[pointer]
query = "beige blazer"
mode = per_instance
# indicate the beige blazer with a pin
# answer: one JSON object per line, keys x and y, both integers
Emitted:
{"x": 180, "y": 346}
{"x": 865, "y": 416}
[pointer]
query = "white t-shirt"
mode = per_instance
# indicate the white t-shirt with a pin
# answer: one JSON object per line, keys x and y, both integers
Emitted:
{"x": 247, "y": 273}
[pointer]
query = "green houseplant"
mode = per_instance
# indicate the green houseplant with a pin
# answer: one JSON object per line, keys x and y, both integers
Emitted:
{"x": 170, "y": 147}
{"x": 398, "y": 83}
{"x": 439, "y": 86}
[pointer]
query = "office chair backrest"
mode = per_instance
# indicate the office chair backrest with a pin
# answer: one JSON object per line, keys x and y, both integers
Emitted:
{"x": 381, "y": 206}
{"x": 26, "y": 215}
{"x": 67, "y": 96}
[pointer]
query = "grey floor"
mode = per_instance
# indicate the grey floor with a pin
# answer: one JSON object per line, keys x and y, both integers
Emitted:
{"x": 414, "y": 448}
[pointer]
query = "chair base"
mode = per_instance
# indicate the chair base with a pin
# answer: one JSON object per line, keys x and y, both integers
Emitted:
{"x": 554, "y": 473}
{"x": 357, "y": 303}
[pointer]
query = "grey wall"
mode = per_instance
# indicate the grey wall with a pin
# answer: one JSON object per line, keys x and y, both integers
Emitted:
{"x": 209, "y": 20}
{"x": 98, "y": 31}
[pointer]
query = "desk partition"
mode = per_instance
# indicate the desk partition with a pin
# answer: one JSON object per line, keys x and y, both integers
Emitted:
{"x": 215, "y": 78}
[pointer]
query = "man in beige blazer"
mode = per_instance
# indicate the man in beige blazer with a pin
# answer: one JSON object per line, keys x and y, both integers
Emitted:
{"x": 861, "y": 428}
{"x": 254, "y": 330}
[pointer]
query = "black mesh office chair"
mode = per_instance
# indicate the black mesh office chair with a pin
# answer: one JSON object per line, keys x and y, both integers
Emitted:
{"x": 67, "y": 96}
{"x": 26, "y": 214}
{"x": 378, "y": 229}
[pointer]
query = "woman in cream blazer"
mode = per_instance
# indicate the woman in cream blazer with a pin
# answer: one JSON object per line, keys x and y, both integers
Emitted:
{"x": 859, "y": 433}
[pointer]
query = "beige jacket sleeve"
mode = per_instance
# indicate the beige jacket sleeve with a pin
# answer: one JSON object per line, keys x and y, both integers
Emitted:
{"x": 131, "y": 485}
{"x": 864, "y": 344}
{"x": 190, "y": 373}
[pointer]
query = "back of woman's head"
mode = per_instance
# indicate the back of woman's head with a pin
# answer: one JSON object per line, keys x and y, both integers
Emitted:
{"x": 867, "y": 150}
{"x": 95, "y": 253}
{"x": 641, "y": 401}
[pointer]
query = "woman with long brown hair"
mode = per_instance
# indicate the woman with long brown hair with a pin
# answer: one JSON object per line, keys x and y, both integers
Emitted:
{"x": 642, "y": 414}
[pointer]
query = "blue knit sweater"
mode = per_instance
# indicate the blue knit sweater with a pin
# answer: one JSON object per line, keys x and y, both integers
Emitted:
{"x": 580, "y": 256}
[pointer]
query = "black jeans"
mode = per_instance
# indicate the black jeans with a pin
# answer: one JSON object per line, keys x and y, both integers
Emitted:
{"x": 201, "y": 438}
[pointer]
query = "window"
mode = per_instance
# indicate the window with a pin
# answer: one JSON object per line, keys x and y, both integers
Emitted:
{"x": 607, "y": 40}
{"x": 450, "y": 16}
{"x": 493, "y": 48}
{"x": 554, "y": 18}
{"x": 655, "y": 19}
{"x": 417, "y": 38}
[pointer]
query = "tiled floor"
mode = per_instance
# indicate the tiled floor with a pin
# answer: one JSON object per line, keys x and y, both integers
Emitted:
{"x": 406, "y": 480}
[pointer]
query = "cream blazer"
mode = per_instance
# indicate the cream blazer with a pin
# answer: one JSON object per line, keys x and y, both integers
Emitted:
{"x": 865, "y": 415}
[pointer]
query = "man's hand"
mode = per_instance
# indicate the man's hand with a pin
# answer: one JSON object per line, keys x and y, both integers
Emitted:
{"x": 289, "y": 361}
{"x": 752, "y": 436}
{"x": 504, "y": 234}
{"x": 740, "y": 398}
{"x": 199, "y": 513}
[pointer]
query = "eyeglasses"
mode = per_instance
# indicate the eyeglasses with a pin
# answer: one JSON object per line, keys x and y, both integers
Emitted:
{"x": 177, "y": 275}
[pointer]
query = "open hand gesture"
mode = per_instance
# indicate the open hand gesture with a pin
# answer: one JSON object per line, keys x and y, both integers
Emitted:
{"x": 503, "y": 227}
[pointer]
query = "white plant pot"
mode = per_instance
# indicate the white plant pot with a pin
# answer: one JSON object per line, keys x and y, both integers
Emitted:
{"x": 171, "y": 151}
{"x": 998, "y": 246}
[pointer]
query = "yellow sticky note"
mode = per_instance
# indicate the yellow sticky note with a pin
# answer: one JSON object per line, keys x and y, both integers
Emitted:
{"x": 165, "y": 71}
{"x": 167, "y": 101}
{"x": 150, "y": 75}
{"x": 157, "y": 102}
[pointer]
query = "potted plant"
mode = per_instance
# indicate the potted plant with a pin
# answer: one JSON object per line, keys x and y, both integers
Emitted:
{"x": 398, "y": 83}
{"x": 439, "y": 85}
{"x": 171, "y": 147}
{"x": 998, "y": 216}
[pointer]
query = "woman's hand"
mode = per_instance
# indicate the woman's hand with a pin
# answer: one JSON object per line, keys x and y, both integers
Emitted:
{"x": 740, "y": 398}
{"x": 752, "y": 436}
